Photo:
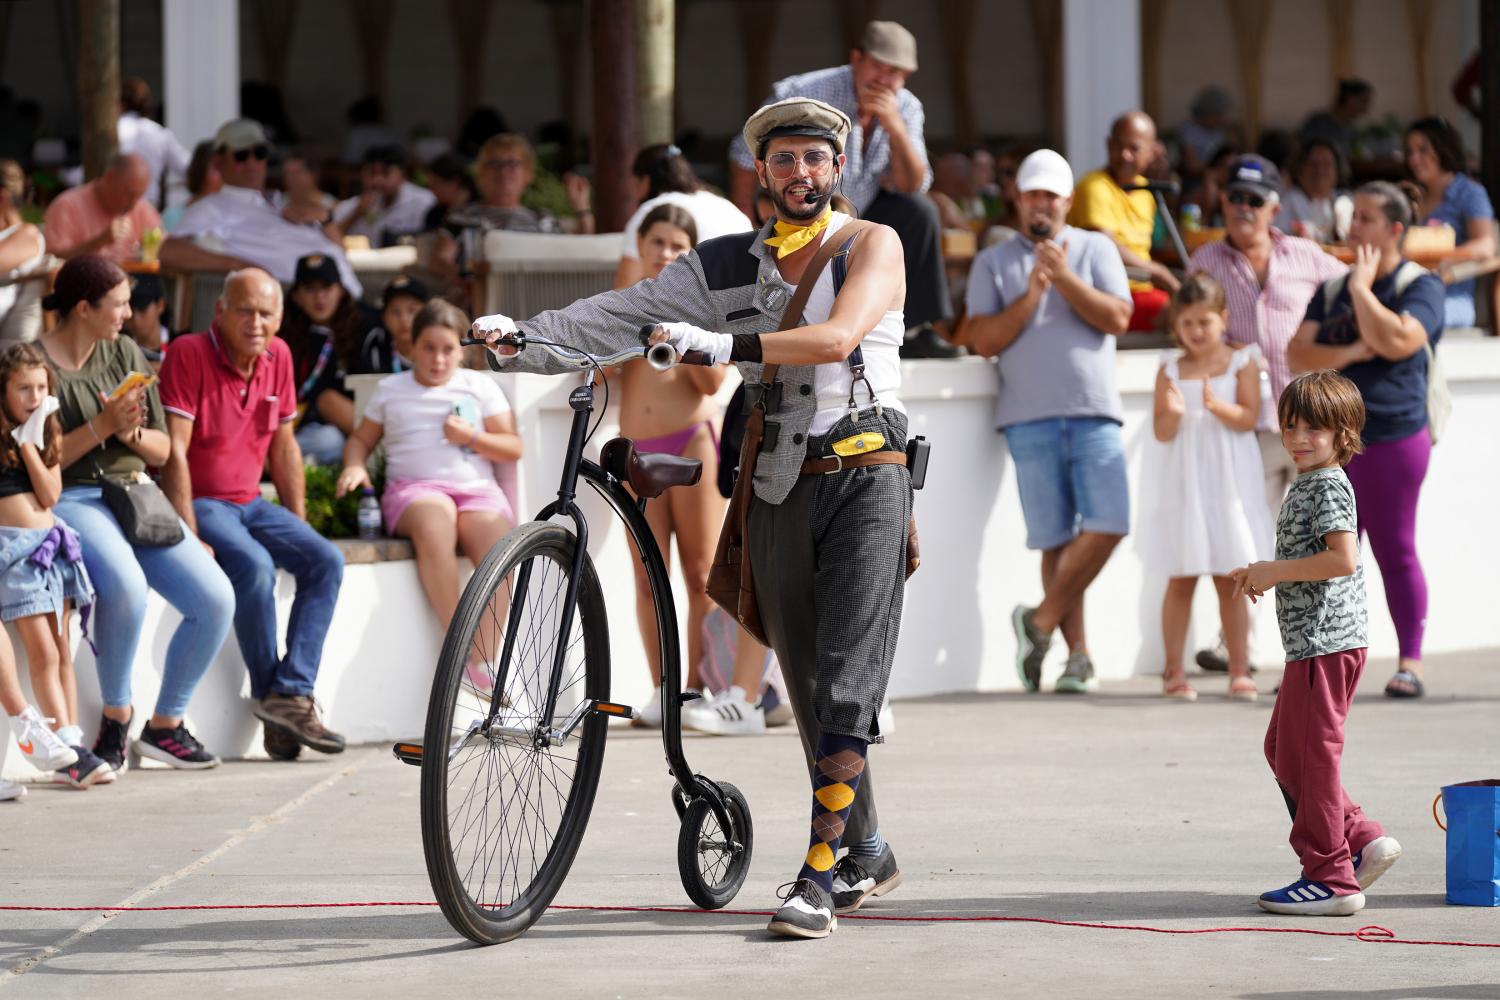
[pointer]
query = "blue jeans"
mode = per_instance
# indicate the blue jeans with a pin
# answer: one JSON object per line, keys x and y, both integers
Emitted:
{"x": 123, "y": 574}
{"x": 321, "y": 444}
{"x": 251, "y": 541}
{"x": 1071, "y": 475}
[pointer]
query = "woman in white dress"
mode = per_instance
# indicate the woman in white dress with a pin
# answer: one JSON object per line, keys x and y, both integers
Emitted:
{"x": 1203, "y": 505}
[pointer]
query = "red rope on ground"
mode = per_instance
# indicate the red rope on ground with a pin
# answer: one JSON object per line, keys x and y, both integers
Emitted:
{"x": 1369, "y": 934}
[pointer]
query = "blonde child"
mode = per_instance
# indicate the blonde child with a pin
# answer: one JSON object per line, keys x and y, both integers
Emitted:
{"x": 41, "y": 571}
{"x": 1320, "y": 606}
{"x": 1204, "y": 511}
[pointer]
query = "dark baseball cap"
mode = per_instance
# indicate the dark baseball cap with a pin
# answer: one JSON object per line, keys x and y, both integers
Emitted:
{"x": 403, "y": 285}
{"x": 1254, "y": 173}
{"x": 316, "y": 267}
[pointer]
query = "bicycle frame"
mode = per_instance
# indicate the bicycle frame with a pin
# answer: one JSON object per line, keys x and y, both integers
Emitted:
{"x": 632, "y": 512}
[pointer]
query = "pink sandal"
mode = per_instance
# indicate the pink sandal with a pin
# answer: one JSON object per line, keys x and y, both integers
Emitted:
{"x": 1243, "y": 688}
{"x": 1179, "y": 689}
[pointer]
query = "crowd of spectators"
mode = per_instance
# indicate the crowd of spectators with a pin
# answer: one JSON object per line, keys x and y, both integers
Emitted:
{"x": 1061, "y": 269}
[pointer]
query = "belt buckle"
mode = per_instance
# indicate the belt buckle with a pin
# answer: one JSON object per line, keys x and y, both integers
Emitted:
{"x": 837, "y": 468}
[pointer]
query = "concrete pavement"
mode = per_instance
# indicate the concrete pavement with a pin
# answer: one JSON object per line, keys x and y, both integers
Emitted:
{"x": 1117, "y": 807}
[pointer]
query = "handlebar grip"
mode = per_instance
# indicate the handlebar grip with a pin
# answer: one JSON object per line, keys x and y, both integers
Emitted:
{"x": 696, "y": 358}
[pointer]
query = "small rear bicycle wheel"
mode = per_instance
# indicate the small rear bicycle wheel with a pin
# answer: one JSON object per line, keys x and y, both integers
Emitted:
{"x": 712, "y": 861}
{"x": 504, "y": 809}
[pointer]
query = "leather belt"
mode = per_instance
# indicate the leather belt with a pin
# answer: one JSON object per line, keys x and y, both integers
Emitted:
{"x": 838, "y": 463}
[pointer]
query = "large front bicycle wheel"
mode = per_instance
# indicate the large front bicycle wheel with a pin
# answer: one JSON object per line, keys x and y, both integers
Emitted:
{"x": 505, "y": 801}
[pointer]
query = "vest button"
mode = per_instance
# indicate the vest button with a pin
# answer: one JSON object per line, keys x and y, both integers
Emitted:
{"x": 806, "y": 390}
{"x": 796, "y": 439}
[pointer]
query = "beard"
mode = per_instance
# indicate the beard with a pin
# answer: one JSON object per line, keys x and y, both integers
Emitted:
{"x": 796, "y": 208}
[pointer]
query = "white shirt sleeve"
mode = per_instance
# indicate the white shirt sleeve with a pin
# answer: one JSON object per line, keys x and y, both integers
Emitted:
{"x": 628, "y": 248}
{"x": 492, "y": 401}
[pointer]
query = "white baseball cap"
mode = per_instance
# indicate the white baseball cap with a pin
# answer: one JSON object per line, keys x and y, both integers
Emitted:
{"x": 1045, "y": 170}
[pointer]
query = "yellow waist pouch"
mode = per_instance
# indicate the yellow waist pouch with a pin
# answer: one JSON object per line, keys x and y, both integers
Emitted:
{"x": 859, "y": 444}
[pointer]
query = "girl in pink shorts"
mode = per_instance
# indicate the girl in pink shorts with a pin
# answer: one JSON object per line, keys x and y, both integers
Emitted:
{"x": 443, "y": 425}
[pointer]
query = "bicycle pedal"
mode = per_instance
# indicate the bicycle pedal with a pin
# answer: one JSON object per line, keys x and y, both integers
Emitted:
{"x": 617, "y": 710}
{"x": 408, "y": 752}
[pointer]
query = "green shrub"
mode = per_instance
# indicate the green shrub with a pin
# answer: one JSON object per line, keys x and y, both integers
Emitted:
{"x": 335, "y": 517}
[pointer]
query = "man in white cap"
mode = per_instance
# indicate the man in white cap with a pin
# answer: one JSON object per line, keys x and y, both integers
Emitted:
{"x": 828, "y": 522}
{"x": 237, "y": 226}
{"x": 1048, "y": 306}
{"x": 886, "y": 169}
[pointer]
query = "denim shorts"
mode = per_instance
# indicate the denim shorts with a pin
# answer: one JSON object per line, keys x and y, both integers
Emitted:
{"x": 28, "y": 589}
{"x": 1071, "y": 475}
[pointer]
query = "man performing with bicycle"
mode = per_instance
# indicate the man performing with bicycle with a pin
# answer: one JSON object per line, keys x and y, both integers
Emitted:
{"x": 827, "y": 526}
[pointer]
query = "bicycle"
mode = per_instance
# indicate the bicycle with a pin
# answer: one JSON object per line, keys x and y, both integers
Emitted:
{"x": 520, "y": 700}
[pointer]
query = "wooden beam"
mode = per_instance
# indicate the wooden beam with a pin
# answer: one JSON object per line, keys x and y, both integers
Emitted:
{"x": 1153, "y": 35}
{"x": 655, "y": 47}
{"x": 1419, "y": 17}
{"x": 1340, "y": 37}
{"x": 565, "y": 19}
{"x": 469, "y": 21}
{"x": 1047, "y": 31}
{"x": 1251, "y": 20}
{"x": 372, "y": 27}
{"x": 757, "y": 23}
{"x": 956, "y": 22}
{"x": 616, "y": 132}
{"x": 98, "y": 82}
{"x": 853, "y": 16}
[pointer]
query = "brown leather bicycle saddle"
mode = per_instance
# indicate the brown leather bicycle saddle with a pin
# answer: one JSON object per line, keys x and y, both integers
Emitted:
{"x": 648, "y": 473}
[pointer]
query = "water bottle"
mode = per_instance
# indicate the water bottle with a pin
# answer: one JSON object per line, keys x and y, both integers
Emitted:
{"x": 369, "y": 515}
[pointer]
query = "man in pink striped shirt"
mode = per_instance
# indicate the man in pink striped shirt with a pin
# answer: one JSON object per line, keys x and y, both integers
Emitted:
{"x": 1268, "y": 278}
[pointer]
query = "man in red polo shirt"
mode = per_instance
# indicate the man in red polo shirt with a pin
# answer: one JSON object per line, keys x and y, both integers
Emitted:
{"x": 230, "y": 401}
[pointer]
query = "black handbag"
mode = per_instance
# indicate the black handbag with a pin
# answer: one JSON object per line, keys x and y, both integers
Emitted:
{"x": 145, "y": 514}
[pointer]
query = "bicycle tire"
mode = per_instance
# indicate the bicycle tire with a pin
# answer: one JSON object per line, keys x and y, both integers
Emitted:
{"x": 490, "y": 911}
{"x": 713, "y": 866}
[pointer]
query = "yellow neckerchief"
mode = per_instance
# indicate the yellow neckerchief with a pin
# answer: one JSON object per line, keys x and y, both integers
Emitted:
{"x": 791, "y": 237}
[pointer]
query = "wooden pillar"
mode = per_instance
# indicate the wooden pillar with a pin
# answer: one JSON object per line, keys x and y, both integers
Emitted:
{"x": 1047, "y": 32}
{"x": 655, "y": 46}
{"x": 565, "y": 18}
{"x": 470, "y": 21}
{"x": 1341, "y": 34}
{"x": 372, "y": 28}
{"x": 956, "y": 21}
{"x": 611, "y": 37}
{"x": 1252, "y": 24}
{"x": 1153, "y": 34}
{"x": 1489, "y": 93}
{"x": 853, "y": 16}
{"x": 274, "y": 20}
{"x": 98, "y": 82}
{"x": 1419, "y": 14}
{"x": 757, "y": 23}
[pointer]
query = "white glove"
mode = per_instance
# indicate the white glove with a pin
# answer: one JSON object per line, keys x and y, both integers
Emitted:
{"x": 491, "y": 329}
{"x": 34, "y": 430}
{"x": 685, "y": 337}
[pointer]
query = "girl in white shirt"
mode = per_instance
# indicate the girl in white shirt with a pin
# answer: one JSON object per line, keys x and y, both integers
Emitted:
{"x": 444, "y": 426}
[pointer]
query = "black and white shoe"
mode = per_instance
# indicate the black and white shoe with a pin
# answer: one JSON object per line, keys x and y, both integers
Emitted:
{"x": 806, "y": 913}
{"x": 176, "y": 746}
{"x": 857, "y": 879}
{"x": 113, "y": 744}
{"x": 729, "y": 713}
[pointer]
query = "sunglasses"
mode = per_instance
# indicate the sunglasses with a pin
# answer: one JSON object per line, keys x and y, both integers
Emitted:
{"x": 817, "y": 161}
{"x": 1246, "y": 198}
{"x": 260, "y": 152}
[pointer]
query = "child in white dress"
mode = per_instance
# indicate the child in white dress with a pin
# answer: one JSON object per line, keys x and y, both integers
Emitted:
{"x": 1203, "y": 504}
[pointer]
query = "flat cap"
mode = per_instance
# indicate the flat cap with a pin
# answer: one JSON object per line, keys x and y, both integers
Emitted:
{"x": 796, "y": 116}
{"x": 891, "y": 44}
{"x": 241, "y": 133}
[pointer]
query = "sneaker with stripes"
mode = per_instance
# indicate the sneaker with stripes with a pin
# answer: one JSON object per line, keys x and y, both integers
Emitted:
{"x": 727, "y": 714}
{"x": 87, "y": 771}
{"x": 1307, "y": 898}
{"x": 175, "y": 746}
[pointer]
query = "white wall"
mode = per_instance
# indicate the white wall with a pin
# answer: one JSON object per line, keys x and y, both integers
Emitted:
{"x": 378, "y": 661}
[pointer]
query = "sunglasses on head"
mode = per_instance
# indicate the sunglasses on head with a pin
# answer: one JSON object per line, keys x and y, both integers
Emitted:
{"x": 1246, "y": 198}
{"x": 260, "y": 152}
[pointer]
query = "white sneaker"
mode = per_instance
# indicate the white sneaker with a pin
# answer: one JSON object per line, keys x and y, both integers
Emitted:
{"x": 44, "y": 748}
{"x": 650, "y": 717}
{"x": 728, "y": 714}
{"x": 1373, "y": 862}
{"x": 10, "y": 790}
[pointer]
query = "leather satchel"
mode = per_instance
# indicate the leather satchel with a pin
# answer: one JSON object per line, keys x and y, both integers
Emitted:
{"x": 731, "y": 579}
{"x": 147, "y": 518}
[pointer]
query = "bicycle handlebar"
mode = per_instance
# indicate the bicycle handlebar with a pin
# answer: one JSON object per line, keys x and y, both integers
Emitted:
{"x": 662, "y": 356}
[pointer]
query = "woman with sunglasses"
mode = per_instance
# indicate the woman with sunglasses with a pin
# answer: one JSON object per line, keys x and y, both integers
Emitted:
{"x": 237, "y": 226}
{"x": 1435, "y": 157}
{"x": 1376, "y": 325}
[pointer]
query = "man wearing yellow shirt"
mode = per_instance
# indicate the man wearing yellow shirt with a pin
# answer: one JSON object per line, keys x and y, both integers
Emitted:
{"x": 1101, "y": 202}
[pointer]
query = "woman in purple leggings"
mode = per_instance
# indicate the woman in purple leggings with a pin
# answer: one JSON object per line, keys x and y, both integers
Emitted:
{"x": 1375, "y": 324}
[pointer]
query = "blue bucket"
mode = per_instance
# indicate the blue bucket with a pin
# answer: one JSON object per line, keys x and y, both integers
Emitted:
{"x": 1473, "y": 809}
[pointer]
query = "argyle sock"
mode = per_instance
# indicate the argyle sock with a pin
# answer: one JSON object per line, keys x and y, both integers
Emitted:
{"x": 869, "y": 848}
{"x": 837, "y": 768}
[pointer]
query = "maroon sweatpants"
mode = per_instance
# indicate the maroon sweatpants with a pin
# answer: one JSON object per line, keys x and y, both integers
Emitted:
{"x": 1303, "y": 745}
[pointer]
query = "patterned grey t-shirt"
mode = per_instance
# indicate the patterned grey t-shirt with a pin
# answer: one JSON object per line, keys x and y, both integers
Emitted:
{"x": 1320, "y": 616}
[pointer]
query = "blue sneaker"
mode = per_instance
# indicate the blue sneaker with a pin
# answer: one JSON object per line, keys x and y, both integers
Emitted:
{"x": 1375, "y": 860}
{"x": 1307, "y": 898}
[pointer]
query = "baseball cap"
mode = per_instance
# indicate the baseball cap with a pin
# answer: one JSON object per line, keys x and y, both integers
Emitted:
{"x": 403, "y": 285}
{"x": 796, "y": 116}
{"x": 891, "y": 44}
{"x": 1045, "y": 170}
{"x": 1254, "y": 173}
{"x": 241, "y": 133}
{"x": 316, "y": 267}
